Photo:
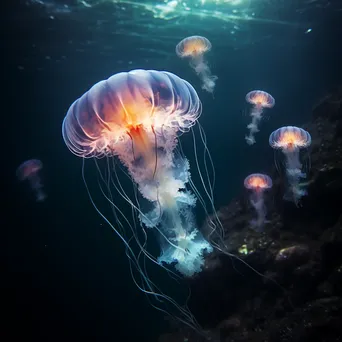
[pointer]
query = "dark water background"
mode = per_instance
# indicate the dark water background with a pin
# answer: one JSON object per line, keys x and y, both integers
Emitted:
{"x": 65, "y": 272}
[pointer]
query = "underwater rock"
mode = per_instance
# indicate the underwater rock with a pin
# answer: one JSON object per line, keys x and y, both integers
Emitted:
{"x": 230, "y": 323}
{"x": 318, "y": 320}
{"x": 292, "y": 256}
{"x": 212, "y": 262}
{"x": 291, "y": 289}
{"x": 171, "y": 337}
{"x": 330, "y": 106}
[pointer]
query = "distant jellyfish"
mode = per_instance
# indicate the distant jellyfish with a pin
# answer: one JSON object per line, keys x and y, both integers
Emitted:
{"x": 260, "y": 100}
{"x": 195, "y": 47}
{"x": 291, "y": 140}
{"x": 29, "y": 170}
{"x": 258, "y": 183}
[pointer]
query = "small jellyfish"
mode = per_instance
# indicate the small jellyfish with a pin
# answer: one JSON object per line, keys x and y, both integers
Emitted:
{"x": 29, "y": 170}
{"x": 260, "y": 100}
{"x": 195, "y": 47}
{"x": 291, "y": 140}
{"x": 258, "y": 183}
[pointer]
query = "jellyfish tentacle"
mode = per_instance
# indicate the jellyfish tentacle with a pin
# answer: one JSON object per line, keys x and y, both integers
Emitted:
{"x": 291, "y": 140}
{"x": 260, "y": 100}
{"x": 137, "y": 117}
{"x": 194, "y": 47}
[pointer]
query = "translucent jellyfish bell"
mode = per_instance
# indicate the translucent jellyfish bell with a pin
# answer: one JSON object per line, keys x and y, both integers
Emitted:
{"x": 142, "y": 103}
{"x": 289, "y": 138}
{"x": 260, "y": 99}
{"x": 258, "y": 182}
{"x": 195, "y": 47}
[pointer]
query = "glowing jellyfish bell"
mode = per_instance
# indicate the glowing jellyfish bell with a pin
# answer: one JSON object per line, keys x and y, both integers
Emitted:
{"x": 137, "y": 116}
{"x": 260, "y": 100}
{"x": 195, "y": 47}
{"x": 258, "y": 183}
{"x": 124, "y": 116}
{"x": 291, "y": 140}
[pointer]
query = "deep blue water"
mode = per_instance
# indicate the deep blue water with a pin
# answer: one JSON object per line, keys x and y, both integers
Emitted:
{"x": 67, "y": 272}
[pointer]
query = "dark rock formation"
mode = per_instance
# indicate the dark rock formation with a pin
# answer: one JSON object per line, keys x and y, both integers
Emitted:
{"x": 284, "y": 284}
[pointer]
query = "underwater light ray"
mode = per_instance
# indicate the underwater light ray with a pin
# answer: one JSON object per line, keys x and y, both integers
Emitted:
{"x": 202, "y": 13}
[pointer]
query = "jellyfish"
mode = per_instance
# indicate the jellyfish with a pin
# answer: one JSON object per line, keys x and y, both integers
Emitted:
{"x": 133, "y": 121}
{"x": 291, "y": 140}
{"x": 260, "y": 100}
{"x": 258, "y": 183}
{"x": 29, "y": 170}
{"x": 195, "y": 47}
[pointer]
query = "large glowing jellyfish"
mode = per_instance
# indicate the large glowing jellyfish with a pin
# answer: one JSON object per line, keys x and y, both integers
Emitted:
{"x": 290, "y": 140}
{"x": 137, "y": 117}
{"x": 260, "y": 100}
{"x": 29, "y": 170}
{"x": 258, "y": 183}
{"x": 195, "y": 47}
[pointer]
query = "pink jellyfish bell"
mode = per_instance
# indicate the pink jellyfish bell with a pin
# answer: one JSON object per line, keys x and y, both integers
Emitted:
{"x": 258, "y": 183}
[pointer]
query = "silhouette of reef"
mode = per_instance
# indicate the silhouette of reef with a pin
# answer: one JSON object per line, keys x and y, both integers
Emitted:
{"x": 297, "y": 295}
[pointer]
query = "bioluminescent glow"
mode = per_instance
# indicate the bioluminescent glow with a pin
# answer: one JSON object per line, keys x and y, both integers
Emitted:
{"x": 195, "y": 47}
{"x": 291, "y": 140}
{"x": 259, "y": 100}
{"x": 258, "y": 183}
{"x": 134, "y": 119}
{"x": 158, "y": 25}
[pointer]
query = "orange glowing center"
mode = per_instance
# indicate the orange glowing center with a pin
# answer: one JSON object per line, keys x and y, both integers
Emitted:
{"x": 194, "y": 48}
{"x": 291, "y": 139}
{"x": 260, "y": 100}
{"x": 130, "y": 116}
{"x": 257, "y": 182}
